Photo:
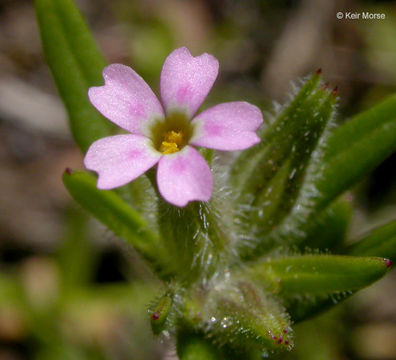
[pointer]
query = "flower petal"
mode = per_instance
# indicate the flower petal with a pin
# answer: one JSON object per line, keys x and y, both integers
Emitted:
{"x": 120, "y": 159}
{"x": 184, "y": 176}
{"x": 187, "y": 80}
{"x": 125, "y": 99}
{"x": 229, "y": 126}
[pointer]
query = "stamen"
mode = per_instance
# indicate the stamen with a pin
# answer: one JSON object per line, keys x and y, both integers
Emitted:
{"x": 173, "y": 141}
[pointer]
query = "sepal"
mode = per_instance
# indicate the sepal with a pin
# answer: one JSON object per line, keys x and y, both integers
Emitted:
{"x": 240, "y": 315}
{"x": 196, "y": 235}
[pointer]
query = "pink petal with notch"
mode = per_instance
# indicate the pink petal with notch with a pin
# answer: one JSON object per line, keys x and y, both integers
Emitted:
{"x": 120, "y": 159}
{"x": 125, "y": 99}
{"x": 187, "y": 80}
{"x": 228, "y": 126}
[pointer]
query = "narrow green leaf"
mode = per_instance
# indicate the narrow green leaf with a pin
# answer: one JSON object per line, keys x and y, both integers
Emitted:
{"x": 380, "y": 242}
{"x": 76, "y": 256}
{"x": 318, "y": 274}
{"x": 309, "y": 284}
{"x": 335, "y": 165}
{"x": 76, "y": 64}
{"x": 118, "y": 216}
{"x": 356, "y": 148}
{"x": 338, "y": 165}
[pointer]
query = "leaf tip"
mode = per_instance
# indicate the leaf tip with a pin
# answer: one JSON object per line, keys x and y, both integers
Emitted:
{"x": 388, "y": 263}
{"x": 68, "y": 171}
{"x": 325, "y": 86}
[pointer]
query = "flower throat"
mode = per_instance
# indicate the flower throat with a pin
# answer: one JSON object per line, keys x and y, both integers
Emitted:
{"x": 172, "y": 134}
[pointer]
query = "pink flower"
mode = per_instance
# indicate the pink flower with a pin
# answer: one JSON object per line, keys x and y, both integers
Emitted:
{"x": 164, "y": 132}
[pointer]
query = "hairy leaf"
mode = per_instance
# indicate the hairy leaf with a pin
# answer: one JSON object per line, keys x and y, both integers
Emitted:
{"x": 334, "y": 165}
{"x": 271, "y": 176}
{"x": 350, "y": 152}
{"x": 318, "y": 274}
{"x": 309, "y": 283}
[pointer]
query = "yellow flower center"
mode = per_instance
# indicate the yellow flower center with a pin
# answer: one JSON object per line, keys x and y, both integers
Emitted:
{"x": 173, "y": 142}
{"x": 171, "y": 134}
